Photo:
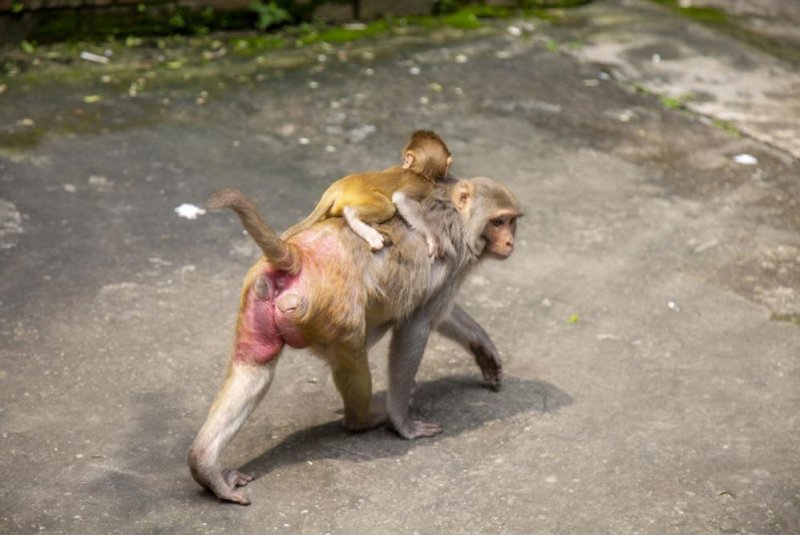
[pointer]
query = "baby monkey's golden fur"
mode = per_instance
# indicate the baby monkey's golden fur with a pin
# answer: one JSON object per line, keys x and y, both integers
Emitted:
{"x": 372, "y": 197}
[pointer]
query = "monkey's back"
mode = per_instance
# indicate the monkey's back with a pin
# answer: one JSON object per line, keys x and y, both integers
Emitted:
{"x": 375, "y": 189}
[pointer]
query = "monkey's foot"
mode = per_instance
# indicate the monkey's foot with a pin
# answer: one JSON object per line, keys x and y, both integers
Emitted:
{"x": 226, "y": 491}
{"x": 235, "y": 478}
{"x": 223, "y": 484}
{"x": 373, "y": 420}
{"x": 376, "y": 244}
{"x": 412, "y": 429}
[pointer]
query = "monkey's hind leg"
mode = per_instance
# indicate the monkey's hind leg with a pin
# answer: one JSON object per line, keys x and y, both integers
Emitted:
{"x": 244, "y": 387}
{"x": 353, "y": 380}
{"x": 409, "y": 339}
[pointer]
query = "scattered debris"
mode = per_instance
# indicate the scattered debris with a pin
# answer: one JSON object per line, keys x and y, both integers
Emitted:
{"x": 745, "y": 159}
{"x": 10, "y": 225}
{"x": 360, "y": 133}
{"x": 330, "y": 148}
{"x": 713, "y": 242}
{"x": 91, "y": 99}
{"x": 369, "y": 72}
{"x": 461, "y": 58}
{"x": 26, "y": 122}
{"x": 94, "y": 58}
{"x": 159, "y": 262}
{"x": 214, "y": 54}
{"x": 515, "y": 31}
{"x": 69, "y": 188}
{"x": 626, "y": 115}
{"x": 304, "y": 141}
{"x": 414, "y": 71}
{"x": 189, "y": 211}
{"x": 100, "y": 182}
{"x": 673, "y": 306}
{"x": 313, "y": 84}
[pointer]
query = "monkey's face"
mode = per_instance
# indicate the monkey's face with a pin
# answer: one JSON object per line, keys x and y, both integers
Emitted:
{"x": 499, "y": 234}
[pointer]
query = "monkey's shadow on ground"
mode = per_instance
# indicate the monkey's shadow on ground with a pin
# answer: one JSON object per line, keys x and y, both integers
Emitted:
{"x": 460, "y": 404}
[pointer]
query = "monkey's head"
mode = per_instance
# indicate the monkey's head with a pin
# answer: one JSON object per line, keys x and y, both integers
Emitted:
{"x": 426, "y": 154}
{"x": 489, "y": 211}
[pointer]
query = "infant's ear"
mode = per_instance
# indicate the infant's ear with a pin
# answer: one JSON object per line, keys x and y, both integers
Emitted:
{"x": 408, "y": 160}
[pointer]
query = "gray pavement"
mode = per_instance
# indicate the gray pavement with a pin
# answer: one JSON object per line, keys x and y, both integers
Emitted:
{"x": 649, "y": 320}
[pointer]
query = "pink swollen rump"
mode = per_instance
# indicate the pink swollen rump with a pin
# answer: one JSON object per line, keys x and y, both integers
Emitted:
{"x": 264, "y": 327}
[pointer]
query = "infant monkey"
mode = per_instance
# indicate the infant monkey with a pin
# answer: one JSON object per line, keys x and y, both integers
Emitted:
{"x": 374, "y": 197}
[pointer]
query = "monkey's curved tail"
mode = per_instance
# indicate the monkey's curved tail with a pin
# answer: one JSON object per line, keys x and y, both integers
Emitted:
{"x": 281, "y": 254}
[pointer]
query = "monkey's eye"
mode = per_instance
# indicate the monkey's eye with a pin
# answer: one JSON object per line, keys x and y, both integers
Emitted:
{"x": 498, "y": 222}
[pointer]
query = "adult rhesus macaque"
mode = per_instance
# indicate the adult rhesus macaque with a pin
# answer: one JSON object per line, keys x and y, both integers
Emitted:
{"x": 374, "y": 197}
{"x": 323, "y": 289}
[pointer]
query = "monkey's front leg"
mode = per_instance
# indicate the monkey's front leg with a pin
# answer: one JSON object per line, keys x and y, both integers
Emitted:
{"x": 244, "y": 387}
{"x": 405, "y": 353}
{"x": 461, "y": 328}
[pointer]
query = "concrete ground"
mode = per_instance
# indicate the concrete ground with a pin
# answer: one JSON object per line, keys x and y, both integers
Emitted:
{"x": 649, "y": 319}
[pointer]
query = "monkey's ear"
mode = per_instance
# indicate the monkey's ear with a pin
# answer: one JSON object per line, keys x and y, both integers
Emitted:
{"x": 408, "y": 160}
{"x": 463, "y": 192}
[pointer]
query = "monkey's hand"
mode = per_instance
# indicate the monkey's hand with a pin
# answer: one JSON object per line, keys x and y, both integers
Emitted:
{"x": 411, "y": 429}
{"x": 434, "y": 247}
{"x": 488, "y": 360}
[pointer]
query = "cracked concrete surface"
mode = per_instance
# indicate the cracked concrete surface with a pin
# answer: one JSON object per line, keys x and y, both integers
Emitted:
{"x": 648, "y": 320}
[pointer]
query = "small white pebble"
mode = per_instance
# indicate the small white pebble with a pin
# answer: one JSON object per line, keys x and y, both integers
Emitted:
{"x": 189, "y": 211}
{"x": 330, "y": 148}
{"x": 745, "y": 159}
{"x": 369, "y": 72}
{"x": 313, "y": 84}
{"x": 69, "y": 188}
{"x": 656, "y": 58}
{"x": 551, "y": 479}
{"x": 322, "y": 58}
{"x": 423, "y": 100}
{"x": 304, "y": 141}
{"x": 414, "y": 71}
{"x": 513, "y": 30}
{"x": 461, "y": 58}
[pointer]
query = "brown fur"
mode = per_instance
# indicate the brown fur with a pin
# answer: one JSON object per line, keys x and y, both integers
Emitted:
{"x": 427, "y": 160}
